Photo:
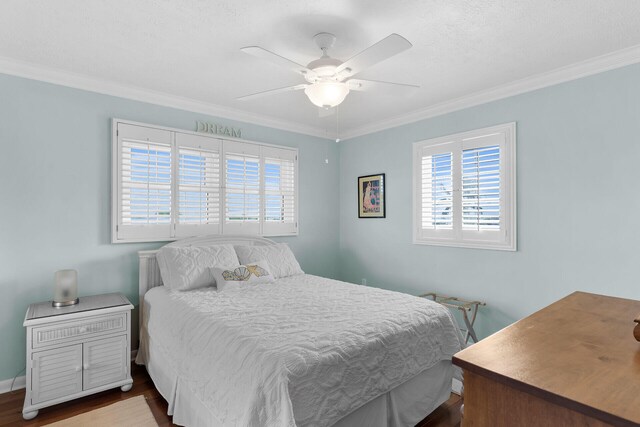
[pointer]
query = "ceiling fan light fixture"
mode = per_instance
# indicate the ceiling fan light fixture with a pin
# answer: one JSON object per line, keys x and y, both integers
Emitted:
{"x": 327, "y": 94}
{"x": 329, "y": 80}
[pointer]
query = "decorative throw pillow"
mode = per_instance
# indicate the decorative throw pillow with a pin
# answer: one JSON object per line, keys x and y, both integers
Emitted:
{"x": 255, "y": 272}
{"x": 188, "y": 267}
{"x": 281, "y": 260}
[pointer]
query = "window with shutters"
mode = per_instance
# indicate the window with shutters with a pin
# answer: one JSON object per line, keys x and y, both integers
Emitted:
{"x": 243, "y": 172}
{"x": 144, "y": 195}
{"x": 199, "y": 185}
{"x": 170, "y": 184}
{"x": 280, "y": 179}
{"x": 464, "y": 189}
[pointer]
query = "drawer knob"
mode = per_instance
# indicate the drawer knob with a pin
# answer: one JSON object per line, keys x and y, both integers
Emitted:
{"x": 78, "y": 368}
{"x": 86, "y": 366}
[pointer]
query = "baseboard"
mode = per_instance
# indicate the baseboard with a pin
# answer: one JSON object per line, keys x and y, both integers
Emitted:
{"x": 456, "y": 386}
{"x": 5, "y": 385}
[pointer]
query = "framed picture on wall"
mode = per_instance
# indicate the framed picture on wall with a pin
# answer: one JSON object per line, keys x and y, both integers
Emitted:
{"x": 371, "y": 198}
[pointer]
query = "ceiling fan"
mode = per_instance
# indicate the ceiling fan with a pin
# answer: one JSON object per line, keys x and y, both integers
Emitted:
{"x": 329, "y": 80}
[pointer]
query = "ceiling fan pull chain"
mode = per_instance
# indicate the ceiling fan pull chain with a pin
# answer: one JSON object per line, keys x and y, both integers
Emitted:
{"x": 337, "y": 137}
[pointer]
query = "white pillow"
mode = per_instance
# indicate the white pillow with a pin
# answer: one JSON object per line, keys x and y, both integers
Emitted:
{"x": 184, "y": 268}
{"x": 255, "y": 272}
{"x": 281, "y": 260}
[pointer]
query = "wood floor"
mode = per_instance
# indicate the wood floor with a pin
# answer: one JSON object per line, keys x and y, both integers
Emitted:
{"x": 447, "y": 415}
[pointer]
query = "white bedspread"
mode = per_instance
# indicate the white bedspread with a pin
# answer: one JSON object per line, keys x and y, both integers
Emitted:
{"x": 303, "y": 351}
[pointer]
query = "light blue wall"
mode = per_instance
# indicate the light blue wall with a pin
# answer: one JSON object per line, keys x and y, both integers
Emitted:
{"x": 578, "y": 199}
{"x": 55, "y": 197}
{"x": 578, "y": 151}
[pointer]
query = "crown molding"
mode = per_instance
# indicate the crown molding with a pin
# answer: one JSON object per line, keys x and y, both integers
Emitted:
{"x": 81, "y": 81}
{"x": 610, "y": 61}
{"x": 599, "y": 64}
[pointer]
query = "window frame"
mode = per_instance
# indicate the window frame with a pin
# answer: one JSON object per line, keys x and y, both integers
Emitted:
{"x": 116, "y": 177}
{"x": 457, "y": 236}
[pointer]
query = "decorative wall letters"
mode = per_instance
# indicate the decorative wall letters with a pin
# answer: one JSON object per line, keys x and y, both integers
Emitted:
{"x": 218, "y": 129}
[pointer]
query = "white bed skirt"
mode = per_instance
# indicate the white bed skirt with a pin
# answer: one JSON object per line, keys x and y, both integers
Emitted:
{"x": 403, "y": 406}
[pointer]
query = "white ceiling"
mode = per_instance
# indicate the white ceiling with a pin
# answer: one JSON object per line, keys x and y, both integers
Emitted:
{"x": 190, "y": 48}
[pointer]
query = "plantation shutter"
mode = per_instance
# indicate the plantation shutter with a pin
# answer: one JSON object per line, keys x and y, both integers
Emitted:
{"x": 279, "y": 210}
{"x": 169, "y": 184}
{"x": 199, "y": 185}
{"x": 242, "y": 178}
{"x": 464, "y": 189}
{"x": 436, "y": 195}
{"x": 482, "y": 188}
{"x": 144, "y": 183}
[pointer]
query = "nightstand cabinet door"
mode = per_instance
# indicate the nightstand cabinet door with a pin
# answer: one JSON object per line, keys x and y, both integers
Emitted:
{"x": 105, "y": 361}
{"x": 56, "y": 373}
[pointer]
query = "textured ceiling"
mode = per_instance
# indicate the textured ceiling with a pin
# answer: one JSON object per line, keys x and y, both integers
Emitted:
{"x": 191, "y": 48}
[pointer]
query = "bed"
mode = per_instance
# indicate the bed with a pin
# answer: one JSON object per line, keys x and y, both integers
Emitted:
{"x": 302, "y": 351}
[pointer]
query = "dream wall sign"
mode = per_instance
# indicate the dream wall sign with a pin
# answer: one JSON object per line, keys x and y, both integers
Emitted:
{"x": 217, "y": 129}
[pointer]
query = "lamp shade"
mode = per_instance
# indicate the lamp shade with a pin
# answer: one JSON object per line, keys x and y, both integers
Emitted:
{"x": 66, "y": 288}
{"x": 327, "y": 94}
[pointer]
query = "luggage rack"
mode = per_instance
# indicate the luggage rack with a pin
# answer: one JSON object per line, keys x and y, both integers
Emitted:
{"x": 464, "y": 306}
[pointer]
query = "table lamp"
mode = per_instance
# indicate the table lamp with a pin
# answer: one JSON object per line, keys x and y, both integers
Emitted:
{"x": 66, "y": 288}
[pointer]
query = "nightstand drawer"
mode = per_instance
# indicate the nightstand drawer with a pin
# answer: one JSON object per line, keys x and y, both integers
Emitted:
{"x": 59, "y": 333}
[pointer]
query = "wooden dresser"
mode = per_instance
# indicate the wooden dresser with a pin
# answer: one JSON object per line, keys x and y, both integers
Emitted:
{"x": 573, "y": 363}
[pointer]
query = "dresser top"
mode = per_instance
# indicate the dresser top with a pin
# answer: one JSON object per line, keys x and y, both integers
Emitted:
{"x": 579, "y": 353}
{"x": 95, "y": 302}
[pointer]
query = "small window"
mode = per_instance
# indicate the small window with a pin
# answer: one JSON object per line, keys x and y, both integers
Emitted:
{"x": 464, "y": 189}
{"x": 170, "y": 184}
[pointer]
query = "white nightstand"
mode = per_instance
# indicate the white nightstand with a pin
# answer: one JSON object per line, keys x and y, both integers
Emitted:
{"x": 77, "y": 350}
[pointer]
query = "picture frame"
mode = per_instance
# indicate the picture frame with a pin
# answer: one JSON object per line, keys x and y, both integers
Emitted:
{"x": 371, "y": 196}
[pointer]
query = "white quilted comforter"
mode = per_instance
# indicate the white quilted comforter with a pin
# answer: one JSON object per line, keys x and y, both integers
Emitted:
{"x": 303, "y": 351}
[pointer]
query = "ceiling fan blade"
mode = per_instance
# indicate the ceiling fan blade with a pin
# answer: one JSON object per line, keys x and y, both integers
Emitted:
{"x": 259, "y": 52}
{"x": 271, "y": 92}
{"x": 385, "y": 48}
{"x": 360, "y": 84}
